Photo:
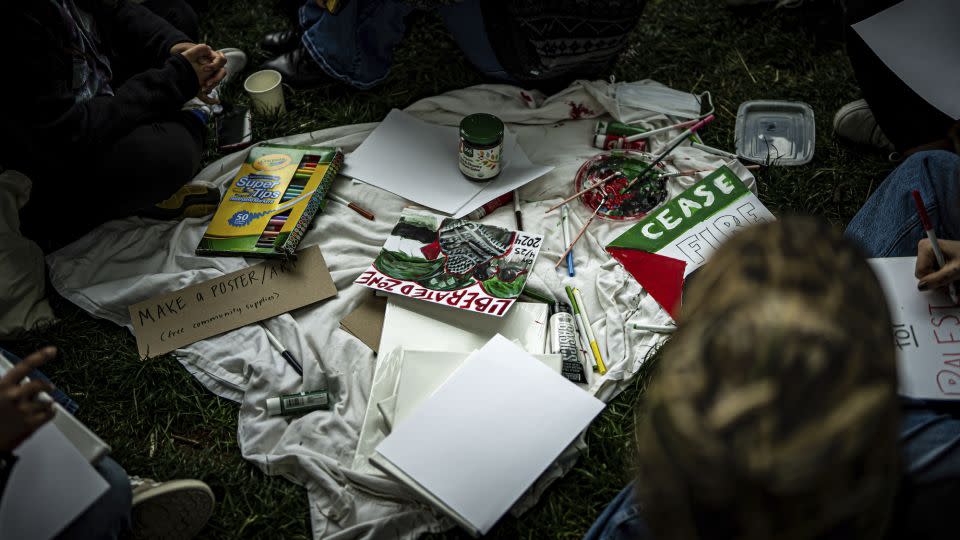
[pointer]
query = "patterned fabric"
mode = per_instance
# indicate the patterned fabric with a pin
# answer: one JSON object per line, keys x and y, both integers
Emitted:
{"x": 774, "y": 411}
{"x": 538, "y": 40}
{"x": 91, "y": 68}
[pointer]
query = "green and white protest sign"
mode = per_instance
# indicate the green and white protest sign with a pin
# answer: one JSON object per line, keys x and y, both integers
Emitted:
{"x": 693, "y": 224}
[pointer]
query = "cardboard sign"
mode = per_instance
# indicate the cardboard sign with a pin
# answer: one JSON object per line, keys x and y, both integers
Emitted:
{"x": 692, "y": 225}
{"x": 171, "y": 320}
{"x": 366, "y": 321}
{"x": 462, "y": 264}
{"x": 926, "y": 330}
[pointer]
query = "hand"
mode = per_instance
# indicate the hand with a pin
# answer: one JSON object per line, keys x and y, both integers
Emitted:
{"x": 926, "y": 270}
{"x": 21, "y": 412}
{"x": 208, "y": 64}
{"x": 180, "y": 47}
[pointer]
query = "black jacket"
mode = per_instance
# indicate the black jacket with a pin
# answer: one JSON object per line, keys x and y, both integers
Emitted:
{"x": 40, "y": 115}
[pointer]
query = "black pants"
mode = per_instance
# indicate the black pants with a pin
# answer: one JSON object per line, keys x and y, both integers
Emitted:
{"x": 139, "y": 169}
{"x": 905, "y": 117}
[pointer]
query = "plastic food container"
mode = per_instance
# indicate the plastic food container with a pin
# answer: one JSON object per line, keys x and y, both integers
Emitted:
{"x": 775, "y": 132}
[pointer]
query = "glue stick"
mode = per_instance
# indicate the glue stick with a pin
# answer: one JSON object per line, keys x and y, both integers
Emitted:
{"x": 563, "y": 341}
{"x": 304, "y": 402}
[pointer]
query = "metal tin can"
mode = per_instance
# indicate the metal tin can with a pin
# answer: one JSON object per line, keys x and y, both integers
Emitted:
{"x": 481, "y": 146}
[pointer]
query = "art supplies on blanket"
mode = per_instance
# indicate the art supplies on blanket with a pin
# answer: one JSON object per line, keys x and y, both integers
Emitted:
{"x": 461, "y": 264}
{"x": 34, "y": 502}
{"x": 486, "y": 434}
{"x": 419, "y": 162}
{"x": 679, "y": 236}
{"x": 926, "y": 330}
{"x": 271, "y": 201}
{"x": 413, "y": 325}
{"x": 178, "y": 318}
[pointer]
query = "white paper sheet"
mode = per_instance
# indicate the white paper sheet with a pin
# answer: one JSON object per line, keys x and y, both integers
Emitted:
{"x": 416, "y": 325}
{"x": 50, "y": 485}
{"x": 918, "y": 40}
{"x": 419, "y": 161}
{"x": 486, "y": 435}
{"x": 926, "y": 330}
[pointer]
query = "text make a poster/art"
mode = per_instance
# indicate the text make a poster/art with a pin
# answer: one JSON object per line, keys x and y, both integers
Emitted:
{"x": 178, "y": 318}
{"x": 452, "y": 262}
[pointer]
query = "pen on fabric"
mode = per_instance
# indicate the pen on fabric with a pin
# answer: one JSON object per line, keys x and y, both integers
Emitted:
{"x": 591, "y": 338}
{"x": 287, "y": 355}
{"x": 655, "y": 328}
{"x": 353, "y": 206}
{"x": 932, "y": 235}
{"x": 565, "y": 225}
{"x": 516, "y": 210}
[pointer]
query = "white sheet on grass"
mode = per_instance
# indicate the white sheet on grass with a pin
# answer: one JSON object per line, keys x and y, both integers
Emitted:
{"x": 129, "y": 260}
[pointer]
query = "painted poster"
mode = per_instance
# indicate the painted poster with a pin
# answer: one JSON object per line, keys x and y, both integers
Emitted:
{"x": 926, "y": 331}
{"x": 692, "y": 225}
{"x": 452, "y": 262}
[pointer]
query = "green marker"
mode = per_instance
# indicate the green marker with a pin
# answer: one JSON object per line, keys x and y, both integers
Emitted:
{"x": 581, "y": 331}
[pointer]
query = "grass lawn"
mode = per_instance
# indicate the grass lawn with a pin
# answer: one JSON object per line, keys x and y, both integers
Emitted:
{"x": 163, "y": 424}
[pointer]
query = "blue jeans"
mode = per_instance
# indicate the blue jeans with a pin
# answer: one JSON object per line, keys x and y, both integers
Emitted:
{"x": 356, "y": 45}
{"x": 109, "y": 517}
{"x": 886, "y": 226}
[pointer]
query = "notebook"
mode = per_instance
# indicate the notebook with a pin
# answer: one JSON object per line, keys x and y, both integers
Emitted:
{"x": 483, "y": 438}
{"x": 413, "y": 325}
{"x": 423, "y": 372}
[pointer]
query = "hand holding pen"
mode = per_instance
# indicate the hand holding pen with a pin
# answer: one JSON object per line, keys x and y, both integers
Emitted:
{"x": 933, "y": 268}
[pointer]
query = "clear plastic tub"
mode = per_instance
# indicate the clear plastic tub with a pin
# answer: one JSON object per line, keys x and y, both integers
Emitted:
{"x": 775, "y": 132}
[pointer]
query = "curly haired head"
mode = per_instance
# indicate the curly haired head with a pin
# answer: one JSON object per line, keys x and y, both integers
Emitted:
{"x": 773, "y": 413}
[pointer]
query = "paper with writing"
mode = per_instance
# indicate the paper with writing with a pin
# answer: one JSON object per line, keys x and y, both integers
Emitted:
{"x": 926, "y": 332}
{"x": 461, "y": 264}
{"x": 175, "y": 319}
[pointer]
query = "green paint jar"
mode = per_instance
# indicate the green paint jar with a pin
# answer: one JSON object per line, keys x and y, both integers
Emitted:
{"x": 481, "y": 146}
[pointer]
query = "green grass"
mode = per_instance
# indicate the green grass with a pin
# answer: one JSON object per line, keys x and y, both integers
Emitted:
{"x": 163, "y": 424}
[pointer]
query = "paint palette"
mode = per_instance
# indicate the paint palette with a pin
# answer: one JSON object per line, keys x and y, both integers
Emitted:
{"x": 643, "y": 196}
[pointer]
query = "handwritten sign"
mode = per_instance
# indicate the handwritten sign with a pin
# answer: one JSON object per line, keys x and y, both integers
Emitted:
{"x": 171, "y": 320}
{"x": 460, "y": 264}
{"x": 692, "y": 225}
{"x": 926, "y": 332}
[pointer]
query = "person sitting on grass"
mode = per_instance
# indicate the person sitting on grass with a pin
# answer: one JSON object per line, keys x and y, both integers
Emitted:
{"x": 175, "y": 510}
{"x": 107, "y": 115}
{"x": 773, "y": 411}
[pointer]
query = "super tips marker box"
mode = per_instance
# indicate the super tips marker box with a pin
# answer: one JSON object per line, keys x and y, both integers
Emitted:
{"x": 271, "y": 201}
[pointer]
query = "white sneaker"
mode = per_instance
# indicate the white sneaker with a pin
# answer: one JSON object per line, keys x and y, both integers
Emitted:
{"x": 236, "y": 62}
{"x": 175, "y": 510}
{"x": 855, "y": 122}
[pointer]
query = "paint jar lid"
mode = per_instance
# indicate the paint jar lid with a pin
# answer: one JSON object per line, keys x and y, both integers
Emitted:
{"x": 273, "y": 406}
{"x": 481, "y": 128}
{"x": 559, "y": 307}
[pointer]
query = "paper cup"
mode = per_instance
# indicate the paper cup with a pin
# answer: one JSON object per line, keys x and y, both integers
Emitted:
{"x": 266, "y": 92}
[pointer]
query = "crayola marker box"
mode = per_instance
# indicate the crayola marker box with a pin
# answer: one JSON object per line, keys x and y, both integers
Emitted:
{"x": 271, "y": 202}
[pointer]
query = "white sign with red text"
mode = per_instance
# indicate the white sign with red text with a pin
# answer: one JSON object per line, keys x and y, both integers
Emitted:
{"x": 926, "y": 331}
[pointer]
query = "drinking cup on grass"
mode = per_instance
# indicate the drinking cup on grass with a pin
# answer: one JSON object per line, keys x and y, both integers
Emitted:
{"x": 266, "y": 92}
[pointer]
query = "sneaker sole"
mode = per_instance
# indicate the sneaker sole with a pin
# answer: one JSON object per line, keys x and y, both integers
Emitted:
{"x": 175, "y": 510}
